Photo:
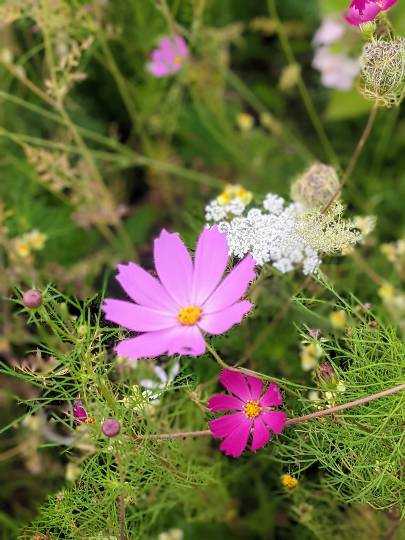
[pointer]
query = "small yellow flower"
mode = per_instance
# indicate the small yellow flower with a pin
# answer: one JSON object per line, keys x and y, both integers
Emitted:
{"x": 288, "y": 481}
{"x": 36, "y": 240}
{"x": 365, "y": 224}
{"x": 338, "y": 319}
{"x": 310, "y": 355}
{"x": 234, "y": 191}
{"x": 386, "y": 291}
{"x": 245, "y": 121}
{"x": 72, "y": 472}
{"x": 22, "y": 248}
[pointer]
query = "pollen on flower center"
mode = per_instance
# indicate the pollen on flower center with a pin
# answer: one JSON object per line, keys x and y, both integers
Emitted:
{"x": 252, "y": 409}
{"x": 177, "y": 60}
{"x": 189, "y": 315}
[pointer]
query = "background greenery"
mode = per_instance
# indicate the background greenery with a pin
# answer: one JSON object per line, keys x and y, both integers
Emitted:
{"x": 100, "y": 171}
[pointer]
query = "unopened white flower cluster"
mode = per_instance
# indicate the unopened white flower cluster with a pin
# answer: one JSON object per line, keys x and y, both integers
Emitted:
{"x": 287, "y": 235}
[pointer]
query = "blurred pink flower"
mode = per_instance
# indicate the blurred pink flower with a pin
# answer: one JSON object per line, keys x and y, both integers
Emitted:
{"x": 330, "y": 31}
{"x": 189, "y": 297}
{"x": 253, "y": 416}
{"x": 337, "y": 70}
{"x": 169, "y": 57}
{"x": 362, "y": 11}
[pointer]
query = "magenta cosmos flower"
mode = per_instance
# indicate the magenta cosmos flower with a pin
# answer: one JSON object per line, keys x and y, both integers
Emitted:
{"x": 362, "y": 11}
{"x": 189, "y": 298}
{"x": 253, "y": 416}
{"x": 169, "y": 57}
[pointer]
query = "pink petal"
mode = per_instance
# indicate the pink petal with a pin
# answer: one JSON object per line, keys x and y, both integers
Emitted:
{"x": 135, "y": 317}
{"x": 144, "y": 289}
{"x": 256, "y": 387}
{"x": 261, "y": 434}
{"x": 234, "y": 444}
{"x": 224, "y": 425}
{"x": 188, "y": 341}
{"x": 388, "y": 3}
{"x": 233, "y": 287}
{"x": 181, "y": 46}
{"x": 158, "y": 69}
{"x": 210, "y": 261}
{"x": 275, "y": 420}
{"x": 174, "y": 266}
{"x": 223, "y": 402}
{"x": 149, "y": 345}
{"x": 272, "y": 397}
{"x": 355, "y": 17}
{"x": 221, "y": 321}
{"x": 236, "y": 383}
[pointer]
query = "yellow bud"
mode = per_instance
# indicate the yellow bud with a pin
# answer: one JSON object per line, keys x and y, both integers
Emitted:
{"x": 245, "y": 121}
{"x": 338, "y": 319}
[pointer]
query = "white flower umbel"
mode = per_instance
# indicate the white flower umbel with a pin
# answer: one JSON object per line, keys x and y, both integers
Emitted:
{"x": 215, "y": 211}
{"x": 270, "y": 236}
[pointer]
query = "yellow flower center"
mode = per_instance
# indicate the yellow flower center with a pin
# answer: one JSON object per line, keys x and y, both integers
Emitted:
{"x": 177, "y": 60}
{"x": 189, "y": 315}
{"x": 252, "y": 409}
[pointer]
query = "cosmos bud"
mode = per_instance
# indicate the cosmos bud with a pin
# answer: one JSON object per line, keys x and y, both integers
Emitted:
{"x": 111, "y": 427}
{"x": 32, "y": 299}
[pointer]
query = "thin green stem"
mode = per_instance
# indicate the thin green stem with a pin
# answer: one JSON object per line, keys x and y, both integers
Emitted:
{"x": 303, "y": 90}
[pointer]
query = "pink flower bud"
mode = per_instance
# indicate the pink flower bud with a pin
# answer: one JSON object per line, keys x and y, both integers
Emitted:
{"x": 79, "y": 412}
{"x": 326, "y": 371}
{"x": 32, "y": 299}
{"x": 111, "y": 427}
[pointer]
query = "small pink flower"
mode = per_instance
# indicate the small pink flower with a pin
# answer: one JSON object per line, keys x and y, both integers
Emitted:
{"x": 253, "y": 417}
{"x": 362, "y": 11}
{"x": 79, "y": 412}
{"x": 169, "y": 57}
{"x": 190, "y": 297}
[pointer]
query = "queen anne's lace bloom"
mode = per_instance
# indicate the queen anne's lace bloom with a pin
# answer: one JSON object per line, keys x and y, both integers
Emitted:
{"x": 287, "y": 235}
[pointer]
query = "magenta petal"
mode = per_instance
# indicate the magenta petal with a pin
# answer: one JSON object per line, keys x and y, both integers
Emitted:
{"x": 174, "y": 266}
{"x": 210, "y": 261}
{"x": 144, "y": 289}
{"x": 261, "y": 434}
{"x": 272, "y": 397}
{"x": 236, "y": 383}
{"x": 386, "y": 4}
{"x": 224, "y": 425}
{"x": 233, "y": 287}
{"x": 149, "y": 345}
{"x": 180, "y": 46}
{"x": 256, "y": 387}
{"x": 275, "y": 420}
{"x": 223, "y": 402}
{"x": 234, "y": 444}
{"x": 135, "y": 317}
{"x": 158, "y": 69}
{"x": 369, "y": 13}
{"x": 187, "y": 341}
{"x": 221, "y": 321}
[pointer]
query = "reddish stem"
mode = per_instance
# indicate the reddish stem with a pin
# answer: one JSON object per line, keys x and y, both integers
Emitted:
{"x": 289, "y": 422}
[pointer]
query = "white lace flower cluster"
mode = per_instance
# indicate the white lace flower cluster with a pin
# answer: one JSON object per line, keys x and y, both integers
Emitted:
{"x": 270, "y": 234}
{"x": 231, "y": 202}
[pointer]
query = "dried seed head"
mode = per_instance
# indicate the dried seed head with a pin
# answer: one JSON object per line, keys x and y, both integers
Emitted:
{"x": 383, "y": 71}
{"x": 316, "y": 187}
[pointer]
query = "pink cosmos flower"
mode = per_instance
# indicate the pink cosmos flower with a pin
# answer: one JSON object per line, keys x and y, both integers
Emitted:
{"x": 337, "y": 70}
{"x": 190, "y": 297}
{"x": 253, "y": 416}
{"x": 362, "y": 11}
{"x": 169, "y": 57}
